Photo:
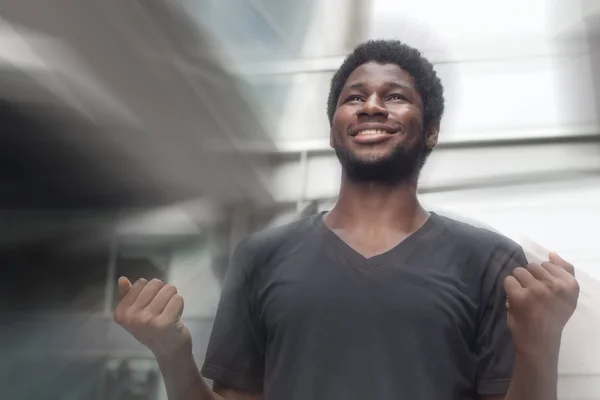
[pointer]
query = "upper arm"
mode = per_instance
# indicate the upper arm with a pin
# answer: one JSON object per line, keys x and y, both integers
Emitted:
{"x": 228, "y": 393}
{"x": 494, "y": 344}
{"x": 236, "y": 349}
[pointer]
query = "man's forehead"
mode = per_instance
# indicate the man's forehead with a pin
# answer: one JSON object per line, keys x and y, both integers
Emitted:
{"x": 396, "y": 84}
{"x": 381, "y": 74}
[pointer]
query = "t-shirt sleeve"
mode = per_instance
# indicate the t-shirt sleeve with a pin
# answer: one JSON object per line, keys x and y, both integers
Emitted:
{"x": 236, "y": 349}
{"x": 494, "y": 346}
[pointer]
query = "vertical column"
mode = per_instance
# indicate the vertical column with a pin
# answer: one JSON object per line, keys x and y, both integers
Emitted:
{"x": 111, "y": 276}
{"x": 591, "y": 10}
{"x": 191, "y": 271}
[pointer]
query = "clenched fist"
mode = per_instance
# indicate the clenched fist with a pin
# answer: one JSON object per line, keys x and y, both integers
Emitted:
{"x": 151, "y": 312}
{"x": 540, "y": 300}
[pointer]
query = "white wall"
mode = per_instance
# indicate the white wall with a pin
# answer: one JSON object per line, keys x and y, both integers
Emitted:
{"x": 436, "y": 25}
{"x": 447, "y": 167}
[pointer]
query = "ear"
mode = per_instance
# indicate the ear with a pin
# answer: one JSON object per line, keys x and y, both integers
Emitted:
{"x": 331, "y": 138}
{"x": 431, "y": 134}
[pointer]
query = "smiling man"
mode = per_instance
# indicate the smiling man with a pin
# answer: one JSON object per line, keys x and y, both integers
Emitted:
{"x": 377, "y": 298}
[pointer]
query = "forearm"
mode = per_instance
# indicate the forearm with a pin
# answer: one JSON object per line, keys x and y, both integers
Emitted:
{"x": 183, "y": 380}
{"x": 534, "y": 377}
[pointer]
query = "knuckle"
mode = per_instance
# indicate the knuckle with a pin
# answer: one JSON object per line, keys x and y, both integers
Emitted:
{"x": 118, "y": 317}
{"x": 179, "y": 298}
{"x": 571, "y": 286}
{"x": 159, "y": 323}
{"x": 171, "y": 288}
{"x": 156, "y": 281}
{"x": 540, "y": 290}
{"x": 128, "y": 316}
{"x": 140, "y": 283}
{"x": 519, "y": 270}
{"x": 563, "y": 286}
{"x": 141, "y": 318}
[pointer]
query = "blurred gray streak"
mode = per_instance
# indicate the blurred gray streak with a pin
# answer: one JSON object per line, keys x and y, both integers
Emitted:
{"x": 179, "y": 114}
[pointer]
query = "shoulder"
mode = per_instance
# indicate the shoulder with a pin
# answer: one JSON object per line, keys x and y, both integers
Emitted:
{"x": 479, "y": 237}
{"x": 490, "y": 252}
{"x": 263, "y": 245}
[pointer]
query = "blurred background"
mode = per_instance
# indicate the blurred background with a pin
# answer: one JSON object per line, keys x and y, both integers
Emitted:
{"x": 146, "y": 137}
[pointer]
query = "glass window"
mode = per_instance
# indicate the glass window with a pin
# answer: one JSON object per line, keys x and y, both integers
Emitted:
{"x": 141, "y": 258}
{"x": 194, "y": 266}
{"x": 53, "y": 379}
{"x": 132, "y": 379}
{"x": 265, "y": 30}
{"x": 269, "y": 94}
{"x": 55, "y": 275}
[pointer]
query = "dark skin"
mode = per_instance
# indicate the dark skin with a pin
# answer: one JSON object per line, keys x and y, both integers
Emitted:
{"x": 373, "y": 217}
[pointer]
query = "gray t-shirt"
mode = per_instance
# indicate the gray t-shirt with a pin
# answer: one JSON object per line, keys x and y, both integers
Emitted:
{"x": 304, "y": 316}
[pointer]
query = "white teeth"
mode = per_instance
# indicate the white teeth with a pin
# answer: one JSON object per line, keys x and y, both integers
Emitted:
{"x": 372, "y": 132}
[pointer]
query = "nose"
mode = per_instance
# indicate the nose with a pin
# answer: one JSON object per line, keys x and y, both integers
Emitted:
{"x": 373, "y": 107}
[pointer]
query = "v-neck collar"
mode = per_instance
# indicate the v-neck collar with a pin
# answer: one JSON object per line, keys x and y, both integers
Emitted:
{"x": 399, "y": 252}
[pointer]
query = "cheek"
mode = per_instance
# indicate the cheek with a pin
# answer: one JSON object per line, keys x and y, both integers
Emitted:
{"x": 416, "y": 128}
{"x": 335, "y": 138}
{"x": 339, "y": 125}
{"x": 411, "y": 117}
{"x": 339, "y": 119}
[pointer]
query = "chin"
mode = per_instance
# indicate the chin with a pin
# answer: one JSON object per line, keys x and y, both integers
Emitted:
{"x": 373, "y": 157}
{"x": 386, "y": 166}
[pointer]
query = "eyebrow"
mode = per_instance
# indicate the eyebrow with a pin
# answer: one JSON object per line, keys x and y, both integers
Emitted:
{"x": 392, "y": 84}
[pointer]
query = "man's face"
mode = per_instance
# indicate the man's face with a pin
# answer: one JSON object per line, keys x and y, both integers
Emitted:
{"x": 377, "y": 129}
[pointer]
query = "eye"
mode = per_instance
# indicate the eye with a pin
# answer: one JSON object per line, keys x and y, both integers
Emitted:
{"x": 397, "y": 96}
{"x": 353, "y": 98}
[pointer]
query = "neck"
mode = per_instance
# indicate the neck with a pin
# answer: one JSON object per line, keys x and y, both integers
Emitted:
{"x": 369, "y": 204}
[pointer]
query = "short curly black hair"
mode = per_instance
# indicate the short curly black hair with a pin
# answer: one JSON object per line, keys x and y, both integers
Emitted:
{"x": 408, "y": 58}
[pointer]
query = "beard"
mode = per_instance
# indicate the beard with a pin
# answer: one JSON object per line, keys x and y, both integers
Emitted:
{"x": 402, "y": 165}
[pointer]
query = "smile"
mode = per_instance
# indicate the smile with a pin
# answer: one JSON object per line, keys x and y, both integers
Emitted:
{"x": 372, "y": 136}
{"x": 372, "y": 132}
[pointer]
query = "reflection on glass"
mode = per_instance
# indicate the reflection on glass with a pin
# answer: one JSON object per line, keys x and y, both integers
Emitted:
{"x": 132, "y": 380}
{"x": 51, "y": 378}
{"x": 258, "y": 30}
{"x": 272, "y": 91}
{"x": 52, "y": 276}
{"x": 141, "y": 260}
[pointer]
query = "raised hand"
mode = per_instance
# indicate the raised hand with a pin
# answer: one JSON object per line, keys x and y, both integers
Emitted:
{"x": 540, "y": 301}
{"x": 151, "y": 312}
